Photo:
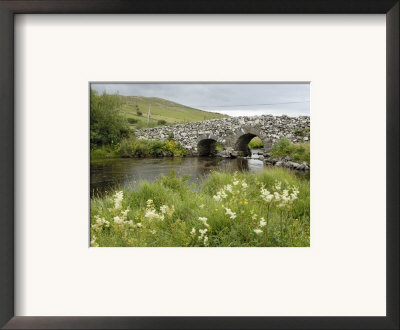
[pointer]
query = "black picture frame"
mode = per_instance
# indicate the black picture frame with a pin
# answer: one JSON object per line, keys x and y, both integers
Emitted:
{"x": 8, "y": 8}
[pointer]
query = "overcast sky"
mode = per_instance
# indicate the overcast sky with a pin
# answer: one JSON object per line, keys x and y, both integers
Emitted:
{"x": 235, "y": 99}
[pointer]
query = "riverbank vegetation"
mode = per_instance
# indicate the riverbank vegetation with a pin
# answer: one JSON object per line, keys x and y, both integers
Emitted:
{"x": 271, "y": 208}
{"x": 107, "y": 125}
{"x": 139, "y": 148}
{"x": 299, "y": 152}
{"x": 111, "y": 136}
{"x": 133, "y": 147}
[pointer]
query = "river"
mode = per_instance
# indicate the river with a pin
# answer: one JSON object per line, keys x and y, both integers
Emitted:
{"x": 107, "y": 174}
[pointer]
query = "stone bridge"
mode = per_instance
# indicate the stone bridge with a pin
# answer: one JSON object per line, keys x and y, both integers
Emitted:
{"x": 233, "y": 133}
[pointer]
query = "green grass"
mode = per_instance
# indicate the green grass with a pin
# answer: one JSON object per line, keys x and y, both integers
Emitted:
{"x": 256, "y": 143}
{"x": 299, "y": 152}
{"x": 161, "y": 109}
{"x": 169, "y": 212}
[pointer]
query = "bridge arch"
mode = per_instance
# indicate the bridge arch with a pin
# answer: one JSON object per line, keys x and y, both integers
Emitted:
{"x": 207, "y": 145}
{"x": 245, "y": 135}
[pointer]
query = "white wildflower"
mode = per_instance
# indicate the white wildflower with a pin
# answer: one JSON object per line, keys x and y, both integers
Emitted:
{"x": 125, "y": 213}
{"x": 139, "y": 225}
{"x": 100, "y": 222}
{"x": 220, "y": 195}
{"x": 295, "y": 192}
{"x": 151, "y": 214}
{"x": 217, "y": 197}
{"x": 202, "y": 233}
{"x": 244, "y": 185}
{"x": 258, "y": 231}
{"x": 118, "y": 197}
{"x": 231, "y": 214}
{"x": 193, "y": 232}
{"x": 118, "y": 220}
{"x": 278, "y": 185}
{"x": 229, "y": 188}
{"x": 201, "y": 206}
{"x": 93, "y": 242}
{"x": 263, "y": 223}
{"x": 235, "y": 183}
{"x": 266, "y": 195}
{"x": 204, "y": 221}
{"x": 163, "y": 209}
{"x": 254, "y": 216}
{"x": 205, "y": 240}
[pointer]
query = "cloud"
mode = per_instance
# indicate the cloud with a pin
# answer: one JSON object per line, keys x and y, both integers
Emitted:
{"x": 229, "y": 98}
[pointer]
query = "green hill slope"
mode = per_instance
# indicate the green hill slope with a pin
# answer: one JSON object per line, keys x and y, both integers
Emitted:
{"x": 162, "y": 112}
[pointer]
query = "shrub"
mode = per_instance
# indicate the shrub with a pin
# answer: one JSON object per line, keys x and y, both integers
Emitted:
{"x": 161, "y": 122}
{"x": 103, "y": 152}
{"x": 298, "y": 152}
{"x": 170, "y": 136}
{"x": 107, "y": 125}
{"x": 156, "y": 148}
{"x": 132, "y": 147}
{"x": 132, "y": 120}
{"x": 303, "y": 133}
{"x": 173, "y": 148}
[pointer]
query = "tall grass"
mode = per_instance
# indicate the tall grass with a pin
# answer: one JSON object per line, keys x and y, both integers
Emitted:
{"x": 271, "y": 208}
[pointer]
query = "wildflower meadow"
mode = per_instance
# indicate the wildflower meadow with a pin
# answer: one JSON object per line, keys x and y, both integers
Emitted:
{"x": 267, "y": 209}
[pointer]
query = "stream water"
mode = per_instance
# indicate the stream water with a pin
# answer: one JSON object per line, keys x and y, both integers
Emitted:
{"x": 107, "y": 174}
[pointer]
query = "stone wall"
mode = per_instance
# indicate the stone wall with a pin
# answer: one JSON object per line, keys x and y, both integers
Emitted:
{"x": 234, "y": 133}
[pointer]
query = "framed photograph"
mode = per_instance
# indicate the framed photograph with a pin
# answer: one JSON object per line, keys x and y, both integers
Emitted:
{"x": 221, "y": 168}
{"x": 206, "y": 165}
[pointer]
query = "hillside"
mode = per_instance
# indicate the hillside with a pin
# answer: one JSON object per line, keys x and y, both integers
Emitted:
{"x": 162, "y": 112}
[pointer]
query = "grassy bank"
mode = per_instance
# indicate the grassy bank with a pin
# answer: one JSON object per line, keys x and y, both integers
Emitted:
{"x": 298, "y": 152}
{"x": 162, "y": 112}
{"x": 271, "y": 208}
{"x": 136, "y": 148}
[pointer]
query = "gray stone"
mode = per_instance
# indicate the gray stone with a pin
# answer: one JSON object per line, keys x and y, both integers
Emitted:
{"x": 234, "y": 133}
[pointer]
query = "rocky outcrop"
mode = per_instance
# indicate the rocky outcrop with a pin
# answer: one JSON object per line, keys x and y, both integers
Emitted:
{"x": 233, "y": 133}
